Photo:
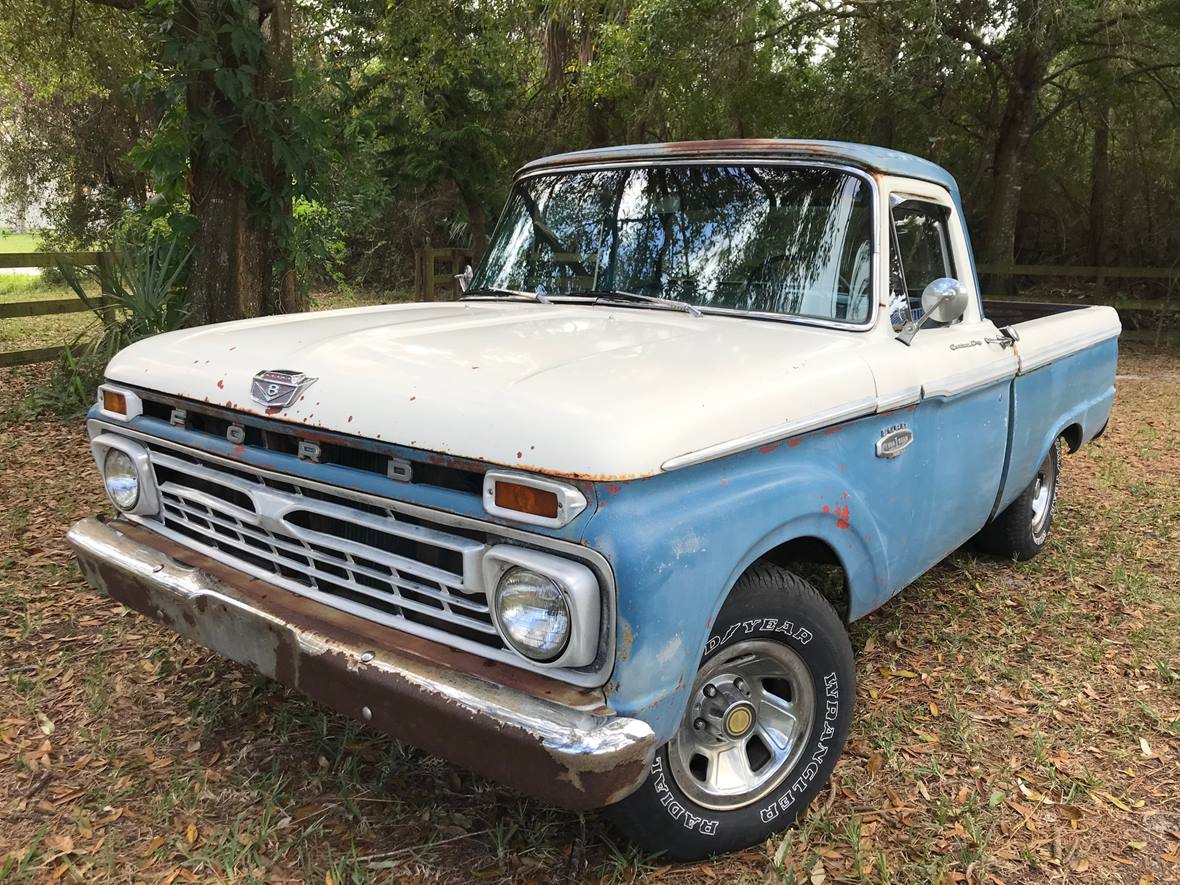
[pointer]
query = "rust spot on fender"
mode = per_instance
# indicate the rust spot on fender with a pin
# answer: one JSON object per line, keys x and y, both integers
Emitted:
{"x": 625, "y": 642}
{"x": 768, "y": 448}
{"x": 221, "y": 384}
{"x": 794, "y": 442}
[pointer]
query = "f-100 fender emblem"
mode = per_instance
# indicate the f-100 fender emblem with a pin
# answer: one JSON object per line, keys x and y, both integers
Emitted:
{"x": 894, "y": 440}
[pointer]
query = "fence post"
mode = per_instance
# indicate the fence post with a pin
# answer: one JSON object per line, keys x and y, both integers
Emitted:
{"x": 106, "y": 281}
{"x": 430, "y": 278}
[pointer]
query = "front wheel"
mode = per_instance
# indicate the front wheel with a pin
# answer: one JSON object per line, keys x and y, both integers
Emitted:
{"x": 766, "y": 720}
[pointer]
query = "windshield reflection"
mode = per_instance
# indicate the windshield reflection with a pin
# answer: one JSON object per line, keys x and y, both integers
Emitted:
{"x": 794, "y": 240}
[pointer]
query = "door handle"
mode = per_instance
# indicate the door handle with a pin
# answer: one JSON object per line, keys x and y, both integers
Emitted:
{"x": 1007, "y": 337}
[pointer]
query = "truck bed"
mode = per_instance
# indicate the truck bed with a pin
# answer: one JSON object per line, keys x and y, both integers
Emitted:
{"x": 1065, "y": 382}
{"x": 1004, "y": 312}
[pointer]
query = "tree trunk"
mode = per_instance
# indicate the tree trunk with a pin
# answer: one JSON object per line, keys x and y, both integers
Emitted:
{"x": 234, "y": 269}
{"x": 477, "y": 219}
{"x": 1016, "y": 129}
{"x": 278, "y": 80}
{"x": 1099, "y": 186}
{"x": 884, "y": 46}
{"x": 231, "y": 273}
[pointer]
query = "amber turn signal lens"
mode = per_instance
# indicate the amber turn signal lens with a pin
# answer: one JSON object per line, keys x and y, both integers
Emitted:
{"x": 526, "y": 499}
{"x": 113, "y": 401}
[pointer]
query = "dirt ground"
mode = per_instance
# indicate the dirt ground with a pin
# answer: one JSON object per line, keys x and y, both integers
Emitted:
{"x": 1015, "y": 723}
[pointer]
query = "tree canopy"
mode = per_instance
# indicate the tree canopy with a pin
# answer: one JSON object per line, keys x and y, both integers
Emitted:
{"x": 401, "y": 122}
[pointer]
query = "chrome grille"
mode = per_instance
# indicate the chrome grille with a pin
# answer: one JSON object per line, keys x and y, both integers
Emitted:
{"x": 357, "y": 556}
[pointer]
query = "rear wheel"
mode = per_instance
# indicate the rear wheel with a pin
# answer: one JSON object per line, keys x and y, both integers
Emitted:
{"x": 1021, "y": 531}
{"x": 765, "y": 723}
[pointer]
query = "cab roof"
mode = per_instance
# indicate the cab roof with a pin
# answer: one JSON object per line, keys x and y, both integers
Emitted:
{"x": 862, "y": 156}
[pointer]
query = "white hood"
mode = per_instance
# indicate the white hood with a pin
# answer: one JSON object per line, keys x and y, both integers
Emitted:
{"x": 592, "y": 391}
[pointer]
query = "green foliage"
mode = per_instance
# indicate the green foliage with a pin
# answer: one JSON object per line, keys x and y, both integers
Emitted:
{"x": 317, "y": 245}
{"x": 142, "y": 292}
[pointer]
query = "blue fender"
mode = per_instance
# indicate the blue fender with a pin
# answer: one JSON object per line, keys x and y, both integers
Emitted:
{"x": 679, "y": 541}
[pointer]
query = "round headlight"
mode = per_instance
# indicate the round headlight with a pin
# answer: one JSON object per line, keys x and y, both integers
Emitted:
{"x": 533, "y": 614}
{"x": 121, "y": 478}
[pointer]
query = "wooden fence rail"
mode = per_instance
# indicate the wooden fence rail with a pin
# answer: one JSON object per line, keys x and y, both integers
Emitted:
{"x": 1080, "y": 271}
{"x": 48, "y": 307}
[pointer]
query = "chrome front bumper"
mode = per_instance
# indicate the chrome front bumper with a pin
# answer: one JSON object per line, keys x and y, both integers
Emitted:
{"x": 545, "y": 739}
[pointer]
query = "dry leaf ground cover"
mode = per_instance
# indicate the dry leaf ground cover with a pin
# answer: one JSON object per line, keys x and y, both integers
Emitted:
{"x": 1015, "y": 723}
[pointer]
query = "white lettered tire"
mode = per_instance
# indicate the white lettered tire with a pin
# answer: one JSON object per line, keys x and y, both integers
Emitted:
{"x": 767, "y": 719}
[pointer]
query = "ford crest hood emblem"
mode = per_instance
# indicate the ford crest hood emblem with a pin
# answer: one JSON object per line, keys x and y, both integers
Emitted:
{"x": 278, "y": 388}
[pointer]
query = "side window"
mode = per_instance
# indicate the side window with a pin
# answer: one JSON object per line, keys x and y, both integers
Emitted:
{"x": 921, "y": 254}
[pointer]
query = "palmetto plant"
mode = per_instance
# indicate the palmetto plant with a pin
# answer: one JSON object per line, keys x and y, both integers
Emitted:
{"x": 142, "y": 294}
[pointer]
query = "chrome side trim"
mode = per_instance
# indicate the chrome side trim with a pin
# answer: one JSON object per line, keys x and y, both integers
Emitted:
{"x": 899, "y": 399}
{"x": 961, "y": 382}
{"x": 1067, "y": 347}
{"x": 857, "y": 409}
{"x": 948, "y": 386}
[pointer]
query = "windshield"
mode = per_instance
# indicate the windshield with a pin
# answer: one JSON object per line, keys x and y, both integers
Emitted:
{"x": 792, "y": 240}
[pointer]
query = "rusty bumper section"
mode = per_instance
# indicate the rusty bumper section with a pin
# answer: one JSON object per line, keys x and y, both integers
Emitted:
{"x": 571, "y": 757}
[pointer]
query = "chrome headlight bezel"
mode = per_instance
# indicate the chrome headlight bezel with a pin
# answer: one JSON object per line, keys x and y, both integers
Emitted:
{"x": 148, "y": 501}
{"x": 579, "y": 588}
{"x": 121, "y": 479}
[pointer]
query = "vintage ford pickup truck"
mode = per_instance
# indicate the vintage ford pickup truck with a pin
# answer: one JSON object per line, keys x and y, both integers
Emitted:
{"x": 560, "y": 531}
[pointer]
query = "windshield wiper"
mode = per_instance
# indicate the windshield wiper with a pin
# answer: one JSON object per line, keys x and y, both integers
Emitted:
{"x": 496, "y": 292}
{"x": 618, "y": 295}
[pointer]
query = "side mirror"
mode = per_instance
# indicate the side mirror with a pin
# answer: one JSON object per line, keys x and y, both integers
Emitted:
{"x": 944, "y": 301}
{"x": 465, "y": 278}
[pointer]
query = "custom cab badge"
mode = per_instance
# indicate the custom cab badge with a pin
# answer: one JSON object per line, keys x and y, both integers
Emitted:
{"x": 278, "y": 388}
{"x": 894, "y": 440}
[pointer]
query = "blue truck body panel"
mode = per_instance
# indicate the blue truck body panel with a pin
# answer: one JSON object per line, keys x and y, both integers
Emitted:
{"x": 1046, "y": 405}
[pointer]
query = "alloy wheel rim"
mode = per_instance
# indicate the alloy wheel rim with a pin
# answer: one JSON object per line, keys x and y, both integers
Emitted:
{"x": 1042, "y": 497}
{"x": 749, "y": 719}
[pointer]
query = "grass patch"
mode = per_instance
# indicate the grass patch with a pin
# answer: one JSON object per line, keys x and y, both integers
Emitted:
{"x": 31, "y": 287}
{"x": 19, "y": 242}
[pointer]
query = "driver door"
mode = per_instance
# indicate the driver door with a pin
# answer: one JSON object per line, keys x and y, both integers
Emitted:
{"x": 953, "y": 380}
